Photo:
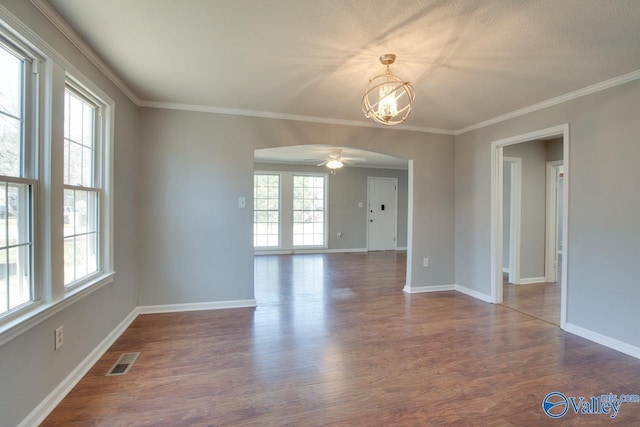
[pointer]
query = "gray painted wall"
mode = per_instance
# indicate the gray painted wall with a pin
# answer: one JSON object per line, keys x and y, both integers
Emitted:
{"x": 604, "y": 207}
{"x": 554, "y": 149}
{"x": 533, "y": 206}
{"x": 346, "y": 188}
{"x": 29, "y": 367}
{"x": 197, "y": 244}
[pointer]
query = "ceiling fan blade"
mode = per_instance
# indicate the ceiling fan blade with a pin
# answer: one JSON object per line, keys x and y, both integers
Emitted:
{"x": 354, "y": 159}
{"x": 323, "y": 163}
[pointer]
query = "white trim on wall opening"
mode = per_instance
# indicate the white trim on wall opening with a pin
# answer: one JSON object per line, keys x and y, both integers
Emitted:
{"x": 496, "y": 210}
{"x": 515, "y": 217}
{"x": 551, "y": 221}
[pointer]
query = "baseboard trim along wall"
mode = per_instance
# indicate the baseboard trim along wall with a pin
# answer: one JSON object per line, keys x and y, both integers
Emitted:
{"x": 442, "y": 288}
{"x": 604, "y": 340}
{"x": 196, "y": 306}
{"x": 531, "y": 280}
{"x": 422, "y": 289}
{"x": 310, "y": 251}
{"x": 45, "y": 407}
{"x": 473, "y": 293}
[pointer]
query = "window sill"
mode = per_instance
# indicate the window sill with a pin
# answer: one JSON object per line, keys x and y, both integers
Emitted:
{"x": 42, "y": 311}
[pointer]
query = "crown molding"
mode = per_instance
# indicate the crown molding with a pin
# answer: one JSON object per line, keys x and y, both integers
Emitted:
{"x": 286, "y": 116}
{"x": 63, "y": 26}
{"x": 607, "y": 84}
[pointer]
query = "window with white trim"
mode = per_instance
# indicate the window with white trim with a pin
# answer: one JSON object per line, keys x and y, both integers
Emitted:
{"x": 17, "y": 183}
{"x": 309, "y": 207}
{"x": 82, "y": 191}
{"x": 266, "y": 210}
{"x": 56, "y": 234}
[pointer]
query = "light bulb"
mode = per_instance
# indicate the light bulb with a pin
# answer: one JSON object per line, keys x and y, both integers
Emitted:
{"x": 387, "y": 106}
{"x": 334, "y": 164}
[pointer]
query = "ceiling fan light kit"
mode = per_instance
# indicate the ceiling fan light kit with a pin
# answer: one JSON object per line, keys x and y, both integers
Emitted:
{"x": 388, "y": 99}
{"x": 334, "y": 164}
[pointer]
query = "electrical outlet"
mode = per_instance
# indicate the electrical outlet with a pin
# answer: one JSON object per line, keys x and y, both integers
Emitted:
{"x": 59, "y": 335}
{"x": 425, "y": 262}
{"x": 339, "y": 235}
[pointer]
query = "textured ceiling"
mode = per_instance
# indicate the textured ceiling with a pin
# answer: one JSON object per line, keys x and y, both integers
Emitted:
{"x": 469, "y": 60}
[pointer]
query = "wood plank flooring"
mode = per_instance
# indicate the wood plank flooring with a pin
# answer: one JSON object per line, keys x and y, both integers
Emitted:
{"x": 335, "y": 341}
{"x": 541, "y": 300}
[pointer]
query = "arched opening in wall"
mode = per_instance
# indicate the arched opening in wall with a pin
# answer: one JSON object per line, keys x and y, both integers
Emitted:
{"x": 529, "y": 223}
{"x": 325, "y": 219}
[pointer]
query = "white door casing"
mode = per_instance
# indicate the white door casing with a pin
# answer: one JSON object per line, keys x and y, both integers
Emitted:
{"x": 553, "y": 222}
{"x": 382, "y": 213}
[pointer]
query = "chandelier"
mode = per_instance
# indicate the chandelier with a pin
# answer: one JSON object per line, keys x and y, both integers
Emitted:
{"x": 387, "y": 98}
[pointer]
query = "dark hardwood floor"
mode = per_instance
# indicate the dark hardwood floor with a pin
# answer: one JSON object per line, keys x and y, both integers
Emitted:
{"x": 541, "y": 300}
{"x": 335, "y": 341}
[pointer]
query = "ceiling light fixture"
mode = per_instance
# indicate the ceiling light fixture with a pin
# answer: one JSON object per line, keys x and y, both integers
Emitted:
{"x": 392, "y": 96}
{"x": 334, "y": 164}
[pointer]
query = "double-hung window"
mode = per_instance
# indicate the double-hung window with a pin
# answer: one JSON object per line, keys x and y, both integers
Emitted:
{"x": 56, "y": 211}
{"x": 17, "y": 177}
{"x": 82, "y": 187}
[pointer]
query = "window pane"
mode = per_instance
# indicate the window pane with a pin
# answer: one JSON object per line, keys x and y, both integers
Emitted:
{"x": 80, "y": 212}
{"x": 74, "y": 165}
{"x": 87, "y": 125}
{"x": 87, "y": 167}
{"x": 75, "y": 119}
{"x": 4, "y": 290}
{"x": 10, "y": 145}
{"x": 3, "y": 215}
{"x": 15, "y": 245}
{"x": 69, "y": 260}
{"x": 92, "y": 253}
{"x": 11, "y": 69}
{"x": 79, "y": 125}
{"x": 81, "y": 237}
{"x": 19, "y": 276}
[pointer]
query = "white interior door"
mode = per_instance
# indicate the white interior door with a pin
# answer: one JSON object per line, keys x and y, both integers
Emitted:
{"x": 382, "y": 213}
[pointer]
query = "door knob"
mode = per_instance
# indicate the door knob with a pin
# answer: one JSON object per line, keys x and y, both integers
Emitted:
{"x": 370, "y": 220}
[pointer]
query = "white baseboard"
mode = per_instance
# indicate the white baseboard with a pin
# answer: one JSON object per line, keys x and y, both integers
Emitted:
{"x": 55, "y": 397}
{"x": 309, "y": 251}
{"x": 603, "y": 339}
{"x": 421, "y": 289}
{"x": 473, "y": 293}
{"x": 401, "y": 248}
{"x": 196, "y": 306}
{"x": 531, "y": 280}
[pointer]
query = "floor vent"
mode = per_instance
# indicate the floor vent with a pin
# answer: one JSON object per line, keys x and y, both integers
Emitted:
{"x": 124, "y": 363}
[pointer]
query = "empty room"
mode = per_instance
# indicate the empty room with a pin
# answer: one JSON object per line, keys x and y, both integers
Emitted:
{"x": 299, "y": 212}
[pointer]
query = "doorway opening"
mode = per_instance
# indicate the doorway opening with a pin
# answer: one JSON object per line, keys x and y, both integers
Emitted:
{"x": 529, "y": 223}
{"x": 337, "y": 213}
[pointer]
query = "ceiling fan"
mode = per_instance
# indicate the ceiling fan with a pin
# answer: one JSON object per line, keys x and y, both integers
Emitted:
{"x": 336, "y": 160}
